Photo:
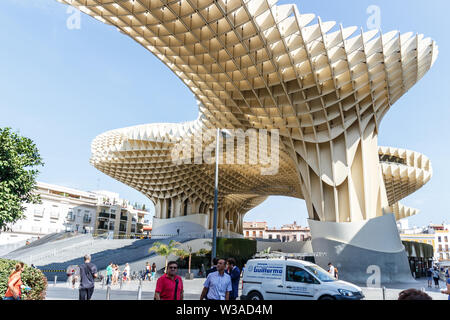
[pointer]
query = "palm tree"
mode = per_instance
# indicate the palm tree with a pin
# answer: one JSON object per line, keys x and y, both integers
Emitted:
{"x": 164, "y": 250}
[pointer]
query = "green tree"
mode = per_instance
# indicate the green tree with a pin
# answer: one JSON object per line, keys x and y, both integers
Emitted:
{"x": 18, "y": 158}
{"x": 165, "y": 250}
{"x": 184, "y": 254}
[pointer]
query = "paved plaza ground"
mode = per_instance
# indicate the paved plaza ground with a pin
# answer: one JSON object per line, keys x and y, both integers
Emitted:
{"x": 193, "y": 288}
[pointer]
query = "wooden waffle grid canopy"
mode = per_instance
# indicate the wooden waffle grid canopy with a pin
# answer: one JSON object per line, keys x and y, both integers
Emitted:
{"x": 256, "y": 64}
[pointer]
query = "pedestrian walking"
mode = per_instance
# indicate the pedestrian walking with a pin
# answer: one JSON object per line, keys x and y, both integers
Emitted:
{"x": 430, "y": 277}
{"x": 14, "y": 290}
{"x": 153, "y": 272}
{"x": 116, "y": 274}
{"x": 235, "y": 275}
{"x": 170, "y": 285}
{"x": 147, "y": 271}
{"x": 331, "y": 270}
{"x": 88, "y": 272}
{"x": 126, "y": 272}
{"x": 213, "y": 267}
{"x": 109, "y": 273}
{"x": 436, "y": 277}
{"x": 218, "y": 284}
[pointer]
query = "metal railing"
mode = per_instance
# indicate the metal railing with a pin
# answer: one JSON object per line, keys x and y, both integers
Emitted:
{"x": 56, "y": 252}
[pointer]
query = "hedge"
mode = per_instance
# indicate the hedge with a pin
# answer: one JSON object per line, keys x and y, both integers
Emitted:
{"x": 239, "y": 249}
{"x": 32, "y": 277}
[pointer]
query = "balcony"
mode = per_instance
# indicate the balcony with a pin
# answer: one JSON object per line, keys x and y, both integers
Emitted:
{"x": 70, "y": 217}
{"x": 87, "y": 220}
{"x": 104, "y": 214}
{"x": 123, "y": 218}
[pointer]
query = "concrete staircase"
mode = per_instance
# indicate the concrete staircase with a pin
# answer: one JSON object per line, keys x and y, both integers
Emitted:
{"x": 54, "y": 258}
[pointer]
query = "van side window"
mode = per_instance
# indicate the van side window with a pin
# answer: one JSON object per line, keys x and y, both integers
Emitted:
{"x": 296, "y": 274}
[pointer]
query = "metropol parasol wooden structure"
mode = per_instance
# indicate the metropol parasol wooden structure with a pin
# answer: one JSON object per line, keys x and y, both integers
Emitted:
{"x": 256, "y": 64}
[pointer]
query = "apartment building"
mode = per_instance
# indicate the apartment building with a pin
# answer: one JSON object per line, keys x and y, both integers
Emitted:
{"x": 62, "y": 209}
{"x": 117, "y": 218}
{"x": 287, "y": 233}
{"x": 436, "y": 235}
{"x": 66, "y": 209}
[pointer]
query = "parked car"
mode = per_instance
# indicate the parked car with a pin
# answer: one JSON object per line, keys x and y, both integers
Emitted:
{"x": 291, "y": 279}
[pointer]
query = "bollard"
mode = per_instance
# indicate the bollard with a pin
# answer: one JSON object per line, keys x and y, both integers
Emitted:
{"x": 139, "y": 295}
{"x": 121, "y": 282}
{"x": 384, "y": 293}
{"x": 108, "y": 292}
{"x": 103, "y": 282}
{"x": 56, "y": 277}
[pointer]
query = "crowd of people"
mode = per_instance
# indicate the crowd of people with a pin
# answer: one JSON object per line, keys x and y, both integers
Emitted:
{"x": 150, "y": 272}
{"x": 222, "y": 280}
{"x": 114, "y": 274}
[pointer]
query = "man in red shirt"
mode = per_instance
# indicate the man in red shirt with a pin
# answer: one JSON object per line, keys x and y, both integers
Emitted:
{"x": 169, "y": 286}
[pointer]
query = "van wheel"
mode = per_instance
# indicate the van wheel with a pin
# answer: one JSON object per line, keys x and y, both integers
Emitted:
{"x": 327, "y": 298}
{"x": 255, "y": 296}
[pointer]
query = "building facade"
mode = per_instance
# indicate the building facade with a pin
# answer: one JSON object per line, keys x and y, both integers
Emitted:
{"x": 436, "y": 235}
{"x": 64, "y": 209}
{"x": 287, "y": 233}
{"x": 117, "y": 218}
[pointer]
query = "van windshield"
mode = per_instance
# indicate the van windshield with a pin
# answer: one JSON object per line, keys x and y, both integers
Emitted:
{"x": 321, "y": 274}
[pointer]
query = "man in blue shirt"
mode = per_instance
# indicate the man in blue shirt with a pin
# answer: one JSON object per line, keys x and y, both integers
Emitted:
{"x": 235, "y": 275}
{"x": 218, "y": 284}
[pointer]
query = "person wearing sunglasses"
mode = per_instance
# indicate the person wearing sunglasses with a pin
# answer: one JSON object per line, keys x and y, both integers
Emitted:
{"x": 170, "y": 285}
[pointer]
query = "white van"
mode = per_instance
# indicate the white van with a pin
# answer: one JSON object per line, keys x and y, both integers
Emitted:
{"x": 290, "y": 279}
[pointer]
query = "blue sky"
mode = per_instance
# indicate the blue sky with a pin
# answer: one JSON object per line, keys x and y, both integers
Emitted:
{"x": 63, "y": 87}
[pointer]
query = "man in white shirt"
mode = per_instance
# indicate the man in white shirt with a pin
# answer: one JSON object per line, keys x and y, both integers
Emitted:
{"x": 331, "y": 270}
{"x": 126, "y": 272}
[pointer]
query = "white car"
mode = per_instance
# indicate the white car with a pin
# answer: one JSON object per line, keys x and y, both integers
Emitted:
{"x": 290, "y": 279}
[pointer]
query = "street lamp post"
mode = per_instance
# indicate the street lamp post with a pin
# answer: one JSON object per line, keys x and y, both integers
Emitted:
{"x": 216, "y": 193}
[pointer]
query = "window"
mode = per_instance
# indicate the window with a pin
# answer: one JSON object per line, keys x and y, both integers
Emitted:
{"x": 446, "y": 239}
{"x": 320, "y": 273}
{"x": 38, "y": 212}
{"x": 296, "y": 274}
{"x": 439, "y": 239}
{"x": 270, "y": 236}
{"x": 247, "y": 233}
